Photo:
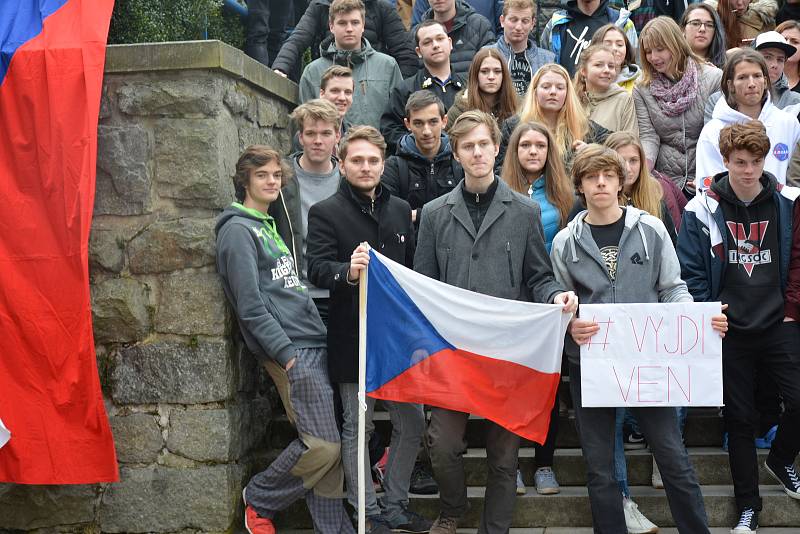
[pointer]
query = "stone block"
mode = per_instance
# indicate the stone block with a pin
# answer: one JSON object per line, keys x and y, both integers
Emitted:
{"x": 28, "y": 507}
{"x": 120, "y": 310}
{"x": 272, "y": 113}
{"x": 106, "y": 247}
{"x": 195, "y": 159}
{"x": 167, "y": 246}
{"x": 237, "y": 101}
{"x": 137, "y": 437}
{"x": 187, "y": 97}
{"x": 172, "y": 372}
{"x": 192, "y": 304}
{"x": 123, "y": 171}
{"x": 163, "y": 499}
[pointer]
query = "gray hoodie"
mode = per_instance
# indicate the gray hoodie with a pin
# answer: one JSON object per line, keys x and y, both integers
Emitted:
{"x": 647, "y": 266}
{"x": 275, "y": 313}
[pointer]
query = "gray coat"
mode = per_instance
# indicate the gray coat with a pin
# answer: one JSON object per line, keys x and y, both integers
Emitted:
{"x": 506, "y": 258}
{"x": 670, "y": 142}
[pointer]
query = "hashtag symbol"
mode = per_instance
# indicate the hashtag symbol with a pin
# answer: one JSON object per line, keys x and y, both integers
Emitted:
{"x": 605, "y": 342}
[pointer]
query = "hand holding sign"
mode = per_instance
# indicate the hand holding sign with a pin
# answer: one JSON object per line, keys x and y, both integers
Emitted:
{"x": 651, "y": 354}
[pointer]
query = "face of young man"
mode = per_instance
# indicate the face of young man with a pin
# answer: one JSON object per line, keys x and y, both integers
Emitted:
{"x": 776, "y": 59}
{"x": 264, "y": 186}
{"x": 434, "y": 45}
{"x": 363, "y": 166}
{"x": 748, "y": 84}
{"x": 318, "y": 139}
{"x": 601, "y": 189}
{"x": 476, "y": 152}
{"x": 744, "y": 172}
{"x": 339, "y": 92}
{"x": 517, "y": 26}
{"x": 347, "y": 29}
{"x": 426, "y": 124}
{"x": 442, "y": 7}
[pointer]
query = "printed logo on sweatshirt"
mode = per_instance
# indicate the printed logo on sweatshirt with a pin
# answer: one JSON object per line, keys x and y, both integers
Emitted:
{"x": 748, "y": 252}
{"x": 581, "y": 42}
{"x": 285, "y": 269}
{"x": 781, "y": 152}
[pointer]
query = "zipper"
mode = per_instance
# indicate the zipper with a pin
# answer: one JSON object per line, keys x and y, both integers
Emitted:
{"x": 510, "y": 265}
{"x": 446, "y": 264}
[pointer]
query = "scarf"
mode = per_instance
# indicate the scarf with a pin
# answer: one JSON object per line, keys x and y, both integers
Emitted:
{"x": 675, "y": 98}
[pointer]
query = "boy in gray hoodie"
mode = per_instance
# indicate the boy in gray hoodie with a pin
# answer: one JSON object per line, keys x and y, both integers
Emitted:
{"x": 282, "y": 328}
{"x": 613, "y": 254}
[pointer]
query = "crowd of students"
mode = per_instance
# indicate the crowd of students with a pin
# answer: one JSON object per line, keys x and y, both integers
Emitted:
{"x": 644, "y": 155}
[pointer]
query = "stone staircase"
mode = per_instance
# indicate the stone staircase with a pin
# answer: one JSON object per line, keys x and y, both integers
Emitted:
{"x": 568, "y": 512}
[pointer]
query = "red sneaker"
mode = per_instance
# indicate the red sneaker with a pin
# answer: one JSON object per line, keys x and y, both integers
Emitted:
{"x": 255, "y": 524}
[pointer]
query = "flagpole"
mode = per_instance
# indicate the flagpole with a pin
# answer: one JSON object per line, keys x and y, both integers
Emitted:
{"x": 362, "y": 399}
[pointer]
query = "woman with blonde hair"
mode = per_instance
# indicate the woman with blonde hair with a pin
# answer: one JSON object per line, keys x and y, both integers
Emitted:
{"x": 624, "y": 55}
{"x": 552, "y": 101}
{"x": 489, "y": 88}
{"x": 606, "y": 103}
{"x": 533, "y": 168}
{"x": 675, "y": 85}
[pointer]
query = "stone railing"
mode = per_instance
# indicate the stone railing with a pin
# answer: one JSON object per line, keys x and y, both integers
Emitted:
{"x": 190, "y": 413}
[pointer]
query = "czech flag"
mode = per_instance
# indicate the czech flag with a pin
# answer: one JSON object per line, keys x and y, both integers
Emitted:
{"x": 433, "y": 343}
{"x": 52, "y": 54}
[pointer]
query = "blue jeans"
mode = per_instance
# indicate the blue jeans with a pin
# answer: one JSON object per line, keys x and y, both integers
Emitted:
{"x": 596, "y": 428}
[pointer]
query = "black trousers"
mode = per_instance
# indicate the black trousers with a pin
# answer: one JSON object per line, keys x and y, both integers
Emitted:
{"x": 267, "y": 23}
{"x": 742, "y": 355}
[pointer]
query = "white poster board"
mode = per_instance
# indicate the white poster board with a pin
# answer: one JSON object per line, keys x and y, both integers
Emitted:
{"x": 5, "y": 435}
{"x": 652, "y": 355}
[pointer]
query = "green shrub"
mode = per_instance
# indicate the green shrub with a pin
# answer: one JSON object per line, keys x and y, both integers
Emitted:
{"x": 147, "y": 21}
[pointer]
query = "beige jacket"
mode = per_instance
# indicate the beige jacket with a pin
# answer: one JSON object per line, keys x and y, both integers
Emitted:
{"x": 613, "y": 110}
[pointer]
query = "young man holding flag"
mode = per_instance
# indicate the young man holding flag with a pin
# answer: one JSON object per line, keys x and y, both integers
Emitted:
{"x": 585, "y": 257}
{"x": 484, "y": 237}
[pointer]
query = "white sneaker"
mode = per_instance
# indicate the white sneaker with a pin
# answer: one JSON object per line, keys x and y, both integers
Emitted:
{"x": 656, "y": 478}
{"x": 635, "y": 521}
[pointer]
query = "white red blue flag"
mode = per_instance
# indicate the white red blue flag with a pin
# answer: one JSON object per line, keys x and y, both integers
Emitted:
{"x": 433, "y": 343}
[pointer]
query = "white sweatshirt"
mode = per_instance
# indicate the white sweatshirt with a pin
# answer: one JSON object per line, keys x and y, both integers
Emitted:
{"x": 783, "y": 131}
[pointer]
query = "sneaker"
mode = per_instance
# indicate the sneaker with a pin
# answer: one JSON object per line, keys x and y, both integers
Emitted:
{"x": 444, "y": 525}
{"x": 410, "y": 522}
{"x": 656, "y": 478}
{"x": 379, "y": 471}
{"x": 377, "y": 525}
{"x": 748, "y": 522}
{"x": 786, "y": 475}
{"x": 633, "y": 441}
{"x": 545, "y": 480}
{"x": 765, "y": 442}
{"x": 255, "y": 524}
{"x": 521, "y": 489}
{"x": 422, "y": 482}
{"x": 635, "y": 521}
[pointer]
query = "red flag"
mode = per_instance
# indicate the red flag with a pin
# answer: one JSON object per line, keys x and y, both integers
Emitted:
{"x": 52, "y": 56}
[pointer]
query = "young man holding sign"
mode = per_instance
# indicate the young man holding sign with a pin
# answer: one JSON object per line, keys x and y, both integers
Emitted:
{"x": 585, "y": 258}
{"x": 734, "y": 246}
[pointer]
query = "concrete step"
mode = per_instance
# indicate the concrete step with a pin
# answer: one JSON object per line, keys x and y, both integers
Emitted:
{"x": 703, "y": 429}
{"x": 570, "y": 508}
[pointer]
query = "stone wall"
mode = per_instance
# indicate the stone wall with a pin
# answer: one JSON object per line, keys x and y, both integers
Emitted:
{"x": 190, "y": 413}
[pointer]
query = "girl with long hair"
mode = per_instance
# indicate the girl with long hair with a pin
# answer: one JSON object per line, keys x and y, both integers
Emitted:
{"x": 489, "y": 88}
{"x": 676, "y": 83}
{"x": 533, "y": 168}
{"x": 606, "y": 103}
{"x": 704, "y": 33}
{"x": 743, "y": 20}
{"x": 790, "y": 29}
{"x": 552, "y": 101}
{"x": 624, "y": 55}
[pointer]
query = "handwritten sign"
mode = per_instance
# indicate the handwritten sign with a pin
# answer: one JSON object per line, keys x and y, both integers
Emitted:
{"x": 652, "y": 355}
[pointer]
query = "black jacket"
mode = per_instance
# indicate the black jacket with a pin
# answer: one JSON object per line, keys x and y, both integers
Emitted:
{"x": 418, "y": 180}
{"x": 392, "y": 126}
{"x": 471, "y": 32}
{"x": 336, "y": 226}
{"x": 383, "y": 28}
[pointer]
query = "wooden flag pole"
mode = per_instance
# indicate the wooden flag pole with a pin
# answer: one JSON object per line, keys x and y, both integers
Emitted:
{"x": 362, "y": 399}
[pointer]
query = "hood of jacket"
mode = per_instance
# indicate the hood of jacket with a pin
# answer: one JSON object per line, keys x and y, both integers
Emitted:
{"x": 721, "y": 186}
{"x": 728, "y": 115}
{"x": 598, "y": 98}
{"x": 408, "y": 147}
{"x": 629, "y": 72}
{"x": 238, "y": 210}
{"x": 348, "y": 58}
{"x": 578, "y": 226}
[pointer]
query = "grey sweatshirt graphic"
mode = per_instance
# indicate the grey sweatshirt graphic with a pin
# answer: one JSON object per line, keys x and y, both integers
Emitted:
{"x": 275, "y": 313}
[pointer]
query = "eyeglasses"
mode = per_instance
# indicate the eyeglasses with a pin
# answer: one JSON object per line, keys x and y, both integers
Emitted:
{"x": 696, "y": 24}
